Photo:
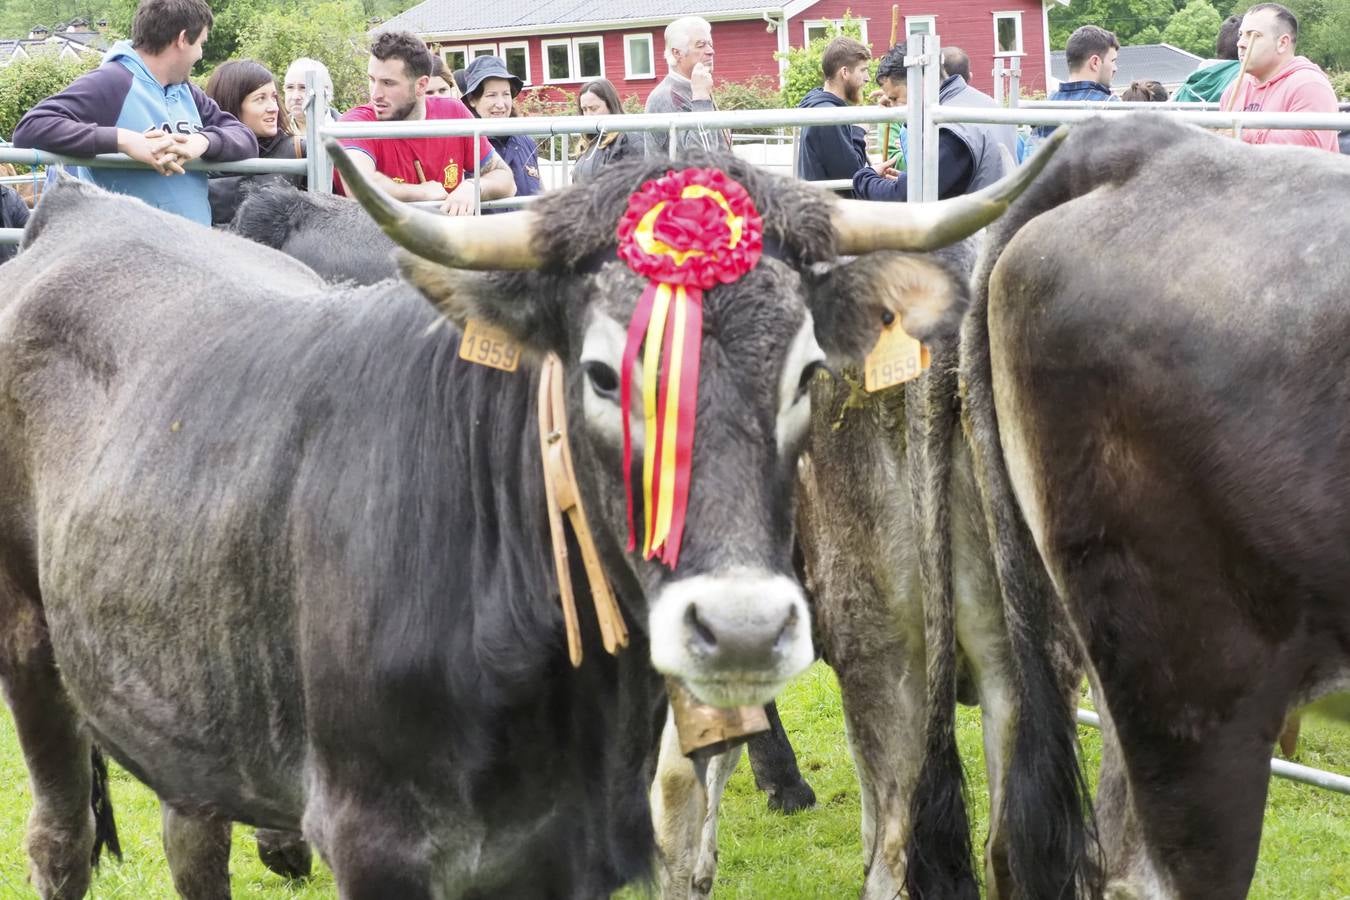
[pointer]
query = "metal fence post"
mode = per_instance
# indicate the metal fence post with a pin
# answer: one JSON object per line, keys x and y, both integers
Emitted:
{"x": 924, "y": 79}
{"x": 319, "y": 177}
{"x": 999, "y": 74}
{"x": 1015, "y": 80}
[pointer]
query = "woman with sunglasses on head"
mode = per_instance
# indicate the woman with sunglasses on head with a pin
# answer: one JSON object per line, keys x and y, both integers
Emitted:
{"x": 248, "y": 91}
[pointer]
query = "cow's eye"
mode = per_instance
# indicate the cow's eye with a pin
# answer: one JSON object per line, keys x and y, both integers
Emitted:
{"x": 603, "y": 380}
{"x": 804, "y": 385}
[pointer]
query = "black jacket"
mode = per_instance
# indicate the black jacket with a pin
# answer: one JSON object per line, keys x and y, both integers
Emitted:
{"x": 830, "y": 152}
{"x": 227, "y": 191}
{"x": 602, "y": 153}
{"x": 13, "y": 214}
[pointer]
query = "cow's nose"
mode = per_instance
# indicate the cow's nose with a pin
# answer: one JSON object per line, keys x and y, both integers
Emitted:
{"x": 728, "y": 640}
{"x": 733, "y": 637}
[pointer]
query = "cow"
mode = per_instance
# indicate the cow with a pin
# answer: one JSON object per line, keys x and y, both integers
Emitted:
{"x": 284, "y": 555}
{"x": 1160, "y": 437}
{"x": 330, "y": 234}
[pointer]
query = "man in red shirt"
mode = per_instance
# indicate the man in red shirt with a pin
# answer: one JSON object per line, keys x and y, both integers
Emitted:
{"x": 430, "y": 168}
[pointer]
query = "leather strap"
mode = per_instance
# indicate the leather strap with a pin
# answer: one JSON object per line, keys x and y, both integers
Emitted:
{"x": 564, "y": 497}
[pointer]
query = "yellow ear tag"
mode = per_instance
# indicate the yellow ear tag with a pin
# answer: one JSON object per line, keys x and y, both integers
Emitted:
{"x": 895, "y": 359}
{"x": 489, "y": 346}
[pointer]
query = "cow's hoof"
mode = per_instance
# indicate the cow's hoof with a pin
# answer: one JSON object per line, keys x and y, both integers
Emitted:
{"x": 285, "y": 853}
{"x": 792, "y": 799}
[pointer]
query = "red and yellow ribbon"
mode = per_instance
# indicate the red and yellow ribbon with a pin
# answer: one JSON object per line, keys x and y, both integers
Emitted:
{"x": 685, "y": 232}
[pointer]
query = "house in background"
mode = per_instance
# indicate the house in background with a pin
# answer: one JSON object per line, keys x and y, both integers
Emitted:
{"x": 1145, "y": 62}
{"x": 67, "y": 41}
{"x": 555, "y": 45}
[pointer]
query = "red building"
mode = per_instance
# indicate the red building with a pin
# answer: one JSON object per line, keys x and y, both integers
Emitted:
{"x": 555, "y": 45}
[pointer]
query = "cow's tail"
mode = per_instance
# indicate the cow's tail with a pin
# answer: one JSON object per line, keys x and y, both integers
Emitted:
{"x": 938, "y": 855}
{"x": 1045, "y": 817}
{"x": 105, "y": 826}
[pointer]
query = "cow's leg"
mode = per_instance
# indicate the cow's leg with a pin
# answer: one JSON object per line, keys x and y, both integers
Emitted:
{"x": 720, "y": 769}
{"x": 284, "y": 852}
{"x": 775, "y": 767}
{"x": 375, "y": 851}
{"x": 679, "y": 806}
{"x": 56, "y": 749}
{"x": 198, "y": 851}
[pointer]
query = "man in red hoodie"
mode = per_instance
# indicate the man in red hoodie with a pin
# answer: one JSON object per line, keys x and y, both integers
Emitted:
{"x": 1279, "y": 81}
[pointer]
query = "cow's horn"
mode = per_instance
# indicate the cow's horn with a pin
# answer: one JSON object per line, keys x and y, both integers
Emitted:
{"x": 862, "y": 226}
{"x": 467, "y": 242}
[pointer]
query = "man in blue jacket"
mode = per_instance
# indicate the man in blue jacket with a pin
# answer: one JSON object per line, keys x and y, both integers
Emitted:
{"x": 1090, "y": 54}
{"x": 829, "y": 152}
{"x": 140, "y": 102}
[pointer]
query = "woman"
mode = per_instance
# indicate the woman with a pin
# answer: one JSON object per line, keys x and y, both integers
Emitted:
{"x": 490, "y": 91}
{"x": 441, "y": 83}
{"x": 599, "y": 98}
{"x": 248, "y": 91}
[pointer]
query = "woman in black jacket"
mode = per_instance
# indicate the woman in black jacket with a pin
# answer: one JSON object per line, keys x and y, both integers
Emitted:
{"x": 598, "y": 98}
{"x": 248, "y": 91}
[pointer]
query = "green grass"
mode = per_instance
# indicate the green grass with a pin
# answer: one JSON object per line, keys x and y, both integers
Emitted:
{"x": 1305, "y": 853}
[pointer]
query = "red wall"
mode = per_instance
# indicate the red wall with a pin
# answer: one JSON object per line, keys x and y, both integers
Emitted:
{"x": 745, "y": 49}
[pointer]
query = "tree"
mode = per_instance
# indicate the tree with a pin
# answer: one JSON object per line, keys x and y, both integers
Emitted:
{"x": 25, "y": 82}
{"x": 1195, "y": 28}
{"x": 1125, "y": 18}
{"x": 803, "y": 63}
{"x": 18, "y": 17}
{"x": 331, "y": 31}
{"x": 1150, "y": 35}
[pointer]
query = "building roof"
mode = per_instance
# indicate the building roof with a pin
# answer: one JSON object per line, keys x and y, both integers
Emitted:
{"x": 433, "y": 17}
{"x": 91, "y": 39}
{"x": 1145, "y": 62}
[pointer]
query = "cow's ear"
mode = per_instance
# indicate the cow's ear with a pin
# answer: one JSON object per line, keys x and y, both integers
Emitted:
{"x": 853, "y": 301}
{"x": 526, "y": 305}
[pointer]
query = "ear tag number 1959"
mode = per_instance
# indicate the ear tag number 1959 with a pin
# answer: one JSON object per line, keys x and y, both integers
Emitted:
{"x": 489, "y": 346}
{"x": 895, "y": 359}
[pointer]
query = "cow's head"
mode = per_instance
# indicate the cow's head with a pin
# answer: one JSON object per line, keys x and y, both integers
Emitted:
{"x": 729, "y": 619}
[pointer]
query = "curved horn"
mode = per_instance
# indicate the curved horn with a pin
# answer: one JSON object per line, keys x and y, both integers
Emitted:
{"x": 468, "y": 242}
{"x": 862, "y": 226}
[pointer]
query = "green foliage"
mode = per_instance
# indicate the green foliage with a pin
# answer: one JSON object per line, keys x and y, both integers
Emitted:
{"x": 25, "y": 82}
{"x": 1340, "y": 83}
{"x": 332, "y": 31}
{"x": 1194, "y": 28}
{"x": 1126, "y": 18}
{"x": 1324, "y": 31}
{"x": 1150, "y": 35}
{"x": 18, "y": 17}
{"x": 803, "y": 63}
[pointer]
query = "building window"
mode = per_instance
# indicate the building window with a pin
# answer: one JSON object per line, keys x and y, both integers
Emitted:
{"x": 920, "y": 25}
{"x": 590, "y": 58}
{"x": 1007, "y": 34}
{"x": 825, "y": 29}
{"x": 517, "y": 59}
{"x": 477, "y": 50}
{"x": 573, "y": 60}
{"x": 455, "y": 57}
{"x": 638, "y": 56}
{"x": 557, "y": 60}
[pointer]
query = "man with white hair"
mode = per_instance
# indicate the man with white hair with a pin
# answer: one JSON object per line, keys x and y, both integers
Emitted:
{"x": 688, "y": 87}
{"x": 297, "y": 94}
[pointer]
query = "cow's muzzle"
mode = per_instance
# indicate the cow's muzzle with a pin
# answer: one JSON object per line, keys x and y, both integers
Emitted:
{"x": 734, "y": 638}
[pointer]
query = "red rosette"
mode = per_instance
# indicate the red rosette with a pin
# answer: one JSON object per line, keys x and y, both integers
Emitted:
{"x": 693, "y": 227}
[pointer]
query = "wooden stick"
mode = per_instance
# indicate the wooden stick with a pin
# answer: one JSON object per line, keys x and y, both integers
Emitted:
{"x": 886, "y": 126}
{"x": 421, "y": 176}
{"x": 1242, "y": 73}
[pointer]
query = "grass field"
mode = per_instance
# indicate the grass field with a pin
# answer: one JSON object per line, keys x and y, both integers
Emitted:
{"x": 816, "y": 854}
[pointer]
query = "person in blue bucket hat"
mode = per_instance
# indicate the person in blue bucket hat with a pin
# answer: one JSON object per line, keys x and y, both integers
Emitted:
{"x": 490, "y": 91}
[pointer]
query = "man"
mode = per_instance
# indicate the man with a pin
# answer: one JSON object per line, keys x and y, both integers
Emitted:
{"x": 1279, "y": 81}
{"x": 688, "y": 87}
{"x": 1091, "y": 56}
{"x": 970, "y": 156}
{"x": 829, "y": 152}
{"x": 1206, "y": 84}
{"x": 433, "y": 168}
{"x": 297, "y": 92}
{"x": 140, "y": 102}
{"x": 955, "y": 61}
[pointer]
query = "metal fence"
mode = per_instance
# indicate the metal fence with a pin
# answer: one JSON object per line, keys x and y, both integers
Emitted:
{"x": 922, "y": 116}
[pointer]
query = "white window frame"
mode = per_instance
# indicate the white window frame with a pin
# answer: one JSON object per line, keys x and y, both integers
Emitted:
{"x": 543, "y": 55}
{"x": 518, "y": 45}
{"x": 910, "y": 21}
{"x": 1016, "y": 16}
{"x": 474, "y": 54}
{"x": 458, "y": 48}
{"x": 599, "y": 41}
{"x": 828, "y": 24}
{"x": 574, "y": 75}
{"x": 628, "y": 41}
